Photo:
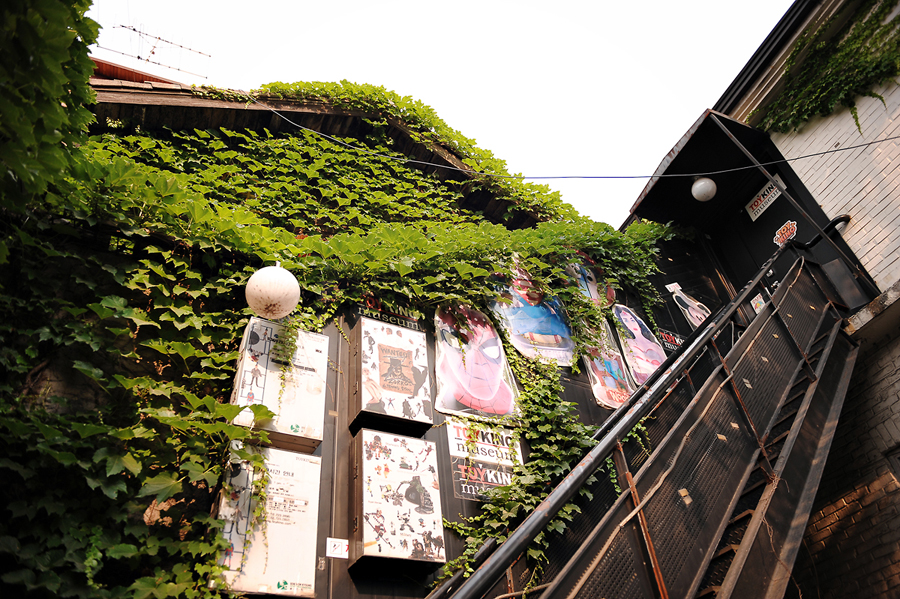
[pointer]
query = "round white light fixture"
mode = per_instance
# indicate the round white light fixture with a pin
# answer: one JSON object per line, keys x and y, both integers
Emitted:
{"x": 703, "y": 189}
{"x": 273, "y": 292}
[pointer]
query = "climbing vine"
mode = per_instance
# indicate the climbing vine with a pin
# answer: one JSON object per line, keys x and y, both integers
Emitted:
{"x": 836, "y": 64}
{"x": 122, "y": 267}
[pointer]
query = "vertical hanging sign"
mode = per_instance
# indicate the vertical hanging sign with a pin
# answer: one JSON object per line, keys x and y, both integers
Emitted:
{"x": 481, "y": 459}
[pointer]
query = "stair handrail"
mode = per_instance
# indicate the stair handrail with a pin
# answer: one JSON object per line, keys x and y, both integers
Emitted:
{"x": 618, "y": 424}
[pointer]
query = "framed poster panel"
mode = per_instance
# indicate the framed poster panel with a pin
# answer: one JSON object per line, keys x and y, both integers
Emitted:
{"x": 392, "y": 387}
{"x": 281, "y": 560}
{"x": 396, "y": 507}
{"x": 288, "y": 377}
{"x": 473, "y": 376}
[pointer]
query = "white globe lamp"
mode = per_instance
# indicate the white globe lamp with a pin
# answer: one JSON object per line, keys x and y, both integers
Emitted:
{"x": 273, "y": 292}
{"x": 703, "y": 189}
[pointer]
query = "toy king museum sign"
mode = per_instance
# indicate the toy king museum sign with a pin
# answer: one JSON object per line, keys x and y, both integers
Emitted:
{"x": 480, "y": 459}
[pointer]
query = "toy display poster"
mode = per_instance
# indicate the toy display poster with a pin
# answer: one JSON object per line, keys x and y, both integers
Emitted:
{"x": 535, "y": 324}
{"x": 290, "y": 382}
{"x": 693, "y": 311}
{"x": 394, "y": 371}
{"x": 606, "y": 371}
{"x": 282, "y": 559}
{"x": 605, "y": 366}
{"x": 480, "y": 459}
{"x": 401, "y": 513}
{"x": 473, "y": 376}
{"x": 643, "y": 353}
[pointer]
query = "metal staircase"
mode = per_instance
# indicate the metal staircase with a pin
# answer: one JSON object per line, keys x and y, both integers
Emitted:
{"x": 714, "y": 503}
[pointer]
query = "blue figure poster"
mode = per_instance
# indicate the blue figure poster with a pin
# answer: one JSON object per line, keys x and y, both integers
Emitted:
{"x": 535, "y": 324}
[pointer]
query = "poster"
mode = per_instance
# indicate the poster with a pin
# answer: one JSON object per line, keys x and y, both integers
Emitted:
{"x": 480, "y": 459}
{"x": 291, "y": 384}
{"x": 605, "y": 366}
{"x": 607, "y": 373}
{"x": 535, "y": 324}
{"x": 693, "y": 311}
{"x": 473, "y": 376}
{"x": 281, "y": 561}
{"x": 394, "y": 371}
{"x": 401, "y": 511}
{"x": 643, "y": 353}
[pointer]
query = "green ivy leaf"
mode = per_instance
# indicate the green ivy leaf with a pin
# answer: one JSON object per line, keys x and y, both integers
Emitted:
{"x": 162, "y": 486}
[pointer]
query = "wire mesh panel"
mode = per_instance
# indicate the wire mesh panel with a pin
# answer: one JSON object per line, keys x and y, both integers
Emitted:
{"x": 663, "y": 418}
{"x": 615, "y": 575}
{"x": 763, "y": 371}
{"x": 561, "y": 546}
{"x": 802, "y": 307}
{"x": 685, "y": 512}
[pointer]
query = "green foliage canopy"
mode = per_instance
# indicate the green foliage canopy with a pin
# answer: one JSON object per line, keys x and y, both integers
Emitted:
{"x": 122, "y": 261}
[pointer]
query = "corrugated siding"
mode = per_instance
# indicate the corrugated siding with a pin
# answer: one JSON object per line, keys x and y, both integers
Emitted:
{"x": 861, "y": 182}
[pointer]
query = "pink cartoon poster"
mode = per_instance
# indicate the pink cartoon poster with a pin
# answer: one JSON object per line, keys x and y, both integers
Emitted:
{"x": 606, "y": 366}
{"x": 535, "y": 323}
{"x": 473, "y": 377}
{"x": 643, "y": 353}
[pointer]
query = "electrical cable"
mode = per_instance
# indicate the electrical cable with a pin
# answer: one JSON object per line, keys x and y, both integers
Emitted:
{"x": 526, "y": 177}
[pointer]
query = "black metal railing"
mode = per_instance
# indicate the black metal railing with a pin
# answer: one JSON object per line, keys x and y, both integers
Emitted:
{"x": 753, "y": 373}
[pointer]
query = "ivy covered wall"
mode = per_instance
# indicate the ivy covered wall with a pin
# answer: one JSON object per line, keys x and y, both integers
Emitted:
{"x": 122, "y": 262}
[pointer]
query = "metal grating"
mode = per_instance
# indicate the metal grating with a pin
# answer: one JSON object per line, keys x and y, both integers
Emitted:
{"x": 677, "y": 526}
{"x": 561, "y": 547}
{"x": 615, "y": 576}
{"x": 802, "y": 308}
{"x": 663, "y": 418}
{"x": 764, "y": 370}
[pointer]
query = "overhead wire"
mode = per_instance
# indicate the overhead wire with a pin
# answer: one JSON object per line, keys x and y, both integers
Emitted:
{"x": 554, "y": 177}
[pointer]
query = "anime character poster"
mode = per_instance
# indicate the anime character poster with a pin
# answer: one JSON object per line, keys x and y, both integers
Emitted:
{"x": 643, "y": 353}
{"x": 535, "y": 323}
{"x": 394, "y": 371}
{"x": 693, "y": 311}
{"x": 473, "y": 376}
{"x": 401, "y": 511}
{"x": 281, "y": 560}
{"x": 287, "y": 378}
{"x": 481, "y": 459}
{"x": 605, "y": 366}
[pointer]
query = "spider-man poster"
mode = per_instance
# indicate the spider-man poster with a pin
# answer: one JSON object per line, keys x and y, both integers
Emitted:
{"x": 473, "y": 376}
{"x": 535, "y": 323}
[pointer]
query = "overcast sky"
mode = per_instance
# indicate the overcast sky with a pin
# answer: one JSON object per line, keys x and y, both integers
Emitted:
{"x": 572, "y": 88}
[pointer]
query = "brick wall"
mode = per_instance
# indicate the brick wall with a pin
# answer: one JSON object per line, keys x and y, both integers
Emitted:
{"x": 863, "y": 182}
{"x": 852, "y": 542}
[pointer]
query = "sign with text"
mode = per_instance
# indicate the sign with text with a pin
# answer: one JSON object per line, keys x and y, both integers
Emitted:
{"x": 762, "y": 200}
{"x": 280, "y": 557}
{"x": 480, "y": 459}
{"x": 670, "y": 340}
